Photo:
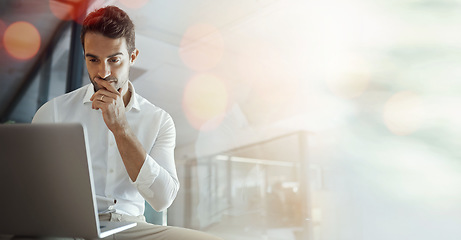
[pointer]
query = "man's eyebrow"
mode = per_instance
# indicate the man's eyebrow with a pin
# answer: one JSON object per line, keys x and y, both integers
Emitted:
{"x": 91, "y": 55}
{"x": 94, "y": 56}
{"x": 115, "y": 54}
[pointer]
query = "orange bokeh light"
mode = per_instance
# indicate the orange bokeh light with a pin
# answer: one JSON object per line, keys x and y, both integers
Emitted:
{"x": 68, "y": 11}
{"x": 2, "y": 31}
{"x": 206, "y": 98}
{"x": 22, "y": 40}
{"x": 403, "y": 113}
{"x": 134, "y": 3}
{"x": 202, "y": 47}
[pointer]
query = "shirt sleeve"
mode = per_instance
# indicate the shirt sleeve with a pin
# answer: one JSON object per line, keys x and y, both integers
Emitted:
{"x": 157, "y": 180}
{"x": 45, "y": 114}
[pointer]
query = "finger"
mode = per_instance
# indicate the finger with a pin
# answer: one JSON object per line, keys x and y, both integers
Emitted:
{"x": 107, "y": 93}
{"x": 100, "y": 103}
{"x": 95, "y": 105}
{"x": 94, "y": 96}
{"x": 106, "y": 85}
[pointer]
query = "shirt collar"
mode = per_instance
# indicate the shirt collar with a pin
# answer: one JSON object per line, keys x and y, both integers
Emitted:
{"x": 133, "y": 100}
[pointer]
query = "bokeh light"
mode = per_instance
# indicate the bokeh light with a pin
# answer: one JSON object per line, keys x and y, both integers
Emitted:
{"x": 206, "y": 98}
{"x": 69, "y": 11}
{"x": 202, "y": 47}
{"x": 403, "y": 113}
{"x": 61, "y": 10}
{"x": 22, "y": 40}
{"x": 135, "y": 4}
{"x": 2, "y": 32}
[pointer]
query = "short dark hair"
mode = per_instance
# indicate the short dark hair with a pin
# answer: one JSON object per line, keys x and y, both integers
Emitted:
{"x": 111, "y": 22}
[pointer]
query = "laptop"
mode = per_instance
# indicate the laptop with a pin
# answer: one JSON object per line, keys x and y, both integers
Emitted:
{"x": 46, "y": 183}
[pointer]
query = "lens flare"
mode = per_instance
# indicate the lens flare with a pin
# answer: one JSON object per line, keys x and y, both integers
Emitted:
{"x": 403, "y": 113}
{"x": 61, "y": 10}
{"x": 206, "y": 98}
{"x": 135, "y": 4}
{"x": 69, "y": 11}
{"x": 22, "y": 40}
{"x": 202, "y": 47}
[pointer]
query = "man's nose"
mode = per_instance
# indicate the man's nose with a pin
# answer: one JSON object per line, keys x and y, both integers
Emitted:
{"x": 104, "y": 70}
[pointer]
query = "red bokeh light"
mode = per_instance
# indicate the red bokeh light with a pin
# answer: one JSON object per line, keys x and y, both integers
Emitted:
{"x": 67, "y": 11}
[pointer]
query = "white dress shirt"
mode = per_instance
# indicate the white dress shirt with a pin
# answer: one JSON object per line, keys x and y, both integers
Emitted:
{"x": 157, "y": 181}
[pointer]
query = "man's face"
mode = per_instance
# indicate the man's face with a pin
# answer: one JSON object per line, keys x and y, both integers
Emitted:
{"x": 108, "y": 59}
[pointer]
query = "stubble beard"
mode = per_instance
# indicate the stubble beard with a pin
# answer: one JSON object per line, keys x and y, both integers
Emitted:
{"x": 96, "y": 86}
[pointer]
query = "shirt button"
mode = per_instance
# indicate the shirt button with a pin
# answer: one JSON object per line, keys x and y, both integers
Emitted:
{"x": 111, "y": 170}
{"x": 111, "y": 144}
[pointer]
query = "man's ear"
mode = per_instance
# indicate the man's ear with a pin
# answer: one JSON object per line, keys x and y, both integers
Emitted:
{"x": 134, "y": 56}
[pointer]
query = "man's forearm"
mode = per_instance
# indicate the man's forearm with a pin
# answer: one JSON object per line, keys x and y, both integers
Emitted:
{"x": 131, "y": 151}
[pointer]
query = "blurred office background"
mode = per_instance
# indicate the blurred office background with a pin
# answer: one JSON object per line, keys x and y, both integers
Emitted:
{"x": 296, "y": 119}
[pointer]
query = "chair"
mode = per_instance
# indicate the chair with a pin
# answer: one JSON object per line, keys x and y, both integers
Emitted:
{"x": 154, "y": 217}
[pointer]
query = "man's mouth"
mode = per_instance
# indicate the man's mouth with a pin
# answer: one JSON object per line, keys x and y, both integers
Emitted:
{"x": 111, "y": 81}
{"x": 108, "y": 79}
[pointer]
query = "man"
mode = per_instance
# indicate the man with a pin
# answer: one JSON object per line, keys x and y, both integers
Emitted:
{"x": 131, "y": 141}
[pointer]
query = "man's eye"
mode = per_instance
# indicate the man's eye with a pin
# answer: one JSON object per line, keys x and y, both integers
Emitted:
{"x": 93, "y": 60}
{"x": 114, "y": 60}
